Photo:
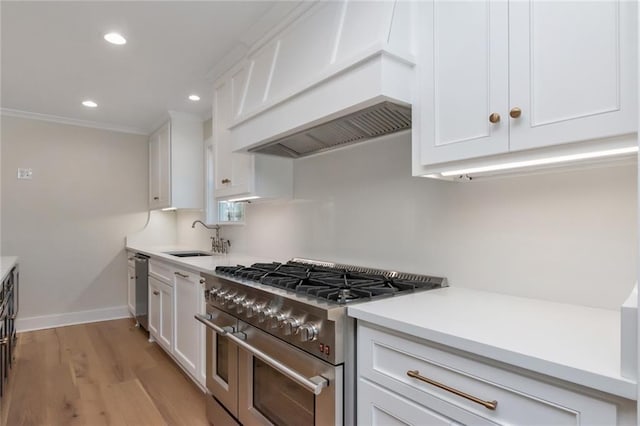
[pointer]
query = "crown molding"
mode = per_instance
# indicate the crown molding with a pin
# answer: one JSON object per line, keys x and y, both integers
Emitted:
{"x": 8, "y": 112}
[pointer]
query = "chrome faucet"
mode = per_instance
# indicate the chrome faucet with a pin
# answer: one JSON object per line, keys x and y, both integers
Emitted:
{"x": 218, "y": 245}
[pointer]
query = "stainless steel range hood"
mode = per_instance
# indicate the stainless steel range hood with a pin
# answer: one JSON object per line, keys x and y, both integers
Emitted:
{"x": 377, "y": 120}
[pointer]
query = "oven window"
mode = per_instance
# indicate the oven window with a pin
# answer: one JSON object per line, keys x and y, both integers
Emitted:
{"x": 279, "y": 399}
{"x": 222, "y": 358}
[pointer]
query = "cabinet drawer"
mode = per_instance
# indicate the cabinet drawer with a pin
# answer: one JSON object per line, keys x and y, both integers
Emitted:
{"x": 386, "y": 357}
{"x": 378, "y": 406}
{"x": 162, "y": 271}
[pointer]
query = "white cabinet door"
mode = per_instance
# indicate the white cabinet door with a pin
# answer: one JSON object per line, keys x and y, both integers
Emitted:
{"x": 161, "y": 313}
{"x": 154, "y": 307}
{"x": 463, "y": 79}
{"x": 165, "y": 337}
{"x": 160, "y": 168}
{"x": 573, "y": 71}
{"x": 187, "y": 339}
{"x": 131, "y": 289}
{"x": 233, "y": 171}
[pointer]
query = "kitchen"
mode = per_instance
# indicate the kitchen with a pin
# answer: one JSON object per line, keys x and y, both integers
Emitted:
{"x": 568, "y": 235}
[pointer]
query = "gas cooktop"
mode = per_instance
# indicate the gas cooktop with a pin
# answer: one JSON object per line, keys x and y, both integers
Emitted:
{"x": 338, "y": 283}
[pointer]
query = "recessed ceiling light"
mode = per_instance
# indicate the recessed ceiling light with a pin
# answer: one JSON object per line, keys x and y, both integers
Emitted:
{"x": 194, "y": 98}
{"x": 115, "y": 38}
{"x": 89, "y": 104}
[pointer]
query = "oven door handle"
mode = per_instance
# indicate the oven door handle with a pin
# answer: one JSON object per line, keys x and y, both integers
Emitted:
{"x": 314, "y": 384}
{"x": 206, "y": 321}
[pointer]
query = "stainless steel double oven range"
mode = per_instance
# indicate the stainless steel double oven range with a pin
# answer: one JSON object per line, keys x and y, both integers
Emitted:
{"x": 280, "y": 347}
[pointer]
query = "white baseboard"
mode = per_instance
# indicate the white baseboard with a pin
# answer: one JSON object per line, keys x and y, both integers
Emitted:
{"x": 71, "y": 318}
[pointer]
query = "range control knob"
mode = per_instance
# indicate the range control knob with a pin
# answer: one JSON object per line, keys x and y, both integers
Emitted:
{"x": 253, "y": 309}
{"x": 219, "y": 294}
{"x": 242, "y": 304}
{"x": 308, "y": 332}
{"x": 276, "y": 320}
{"x": 290, "y": 325}
{"x": 237, "y": 299}
{"x": 264, "y": 313}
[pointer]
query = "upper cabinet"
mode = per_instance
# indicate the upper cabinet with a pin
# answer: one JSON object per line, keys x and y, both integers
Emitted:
{"x": 241, "y": 175}
{"x": 514, "y": 80}
{"x": 175, "y": 164}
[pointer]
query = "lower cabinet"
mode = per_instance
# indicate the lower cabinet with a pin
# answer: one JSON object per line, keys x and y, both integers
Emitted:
{"x": 187, "y": 337}
{"x": 161, "y": 313}
{"x": 400, "y": 378}
{"x": 175, "y": 296}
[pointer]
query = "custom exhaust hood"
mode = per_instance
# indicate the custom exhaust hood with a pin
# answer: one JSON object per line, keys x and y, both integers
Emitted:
{"x": 368, "y": 123}
{"x": 337, "y": 74}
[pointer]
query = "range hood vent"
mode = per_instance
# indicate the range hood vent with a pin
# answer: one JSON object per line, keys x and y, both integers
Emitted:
{"x": 377, "y": 120}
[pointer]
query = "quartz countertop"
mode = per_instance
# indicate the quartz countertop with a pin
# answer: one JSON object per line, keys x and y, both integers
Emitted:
{"x": 577, "y": 344}
{"x": 206, "y": 264}
{"x": 6, "y": 264}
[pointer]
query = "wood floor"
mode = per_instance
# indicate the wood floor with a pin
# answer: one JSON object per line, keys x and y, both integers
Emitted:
{"x": 104, "y": 373}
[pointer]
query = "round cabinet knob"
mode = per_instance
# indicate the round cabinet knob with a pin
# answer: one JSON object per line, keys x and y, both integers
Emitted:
{"x": 494, "y": 118}
{"x": 307, "y": 332}
{"x": 290, "y": 325}
{"x": 515, "y": 112}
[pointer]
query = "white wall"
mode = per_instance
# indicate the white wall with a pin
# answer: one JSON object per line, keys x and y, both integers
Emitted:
{"x": 68, "y": 224}
{"x": 568, "y": 236}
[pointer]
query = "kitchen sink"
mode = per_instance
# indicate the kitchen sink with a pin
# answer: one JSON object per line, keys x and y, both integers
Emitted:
{"x": 188, "y": 253}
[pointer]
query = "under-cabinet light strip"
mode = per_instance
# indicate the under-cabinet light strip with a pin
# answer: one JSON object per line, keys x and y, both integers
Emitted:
{"x": 541, "y": 161}
{"x": 233, "y": 200}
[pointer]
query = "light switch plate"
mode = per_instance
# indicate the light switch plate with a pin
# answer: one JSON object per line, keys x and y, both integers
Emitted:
{"x": 25, "y": 173}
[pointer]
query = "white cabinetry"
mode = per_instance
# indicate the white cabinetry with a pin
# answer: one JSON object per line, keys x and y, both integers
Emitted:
{"x": 175, "y": 163}
{"x": 175, "y": 296}
{"x": 241, "y": 175}
{"x": 161, "y": 313}
{"x": 187, "y": 337}
{"x": 131, "y": 284}
{"x": 393, "y": 388}
{"x": 507, "y": 77}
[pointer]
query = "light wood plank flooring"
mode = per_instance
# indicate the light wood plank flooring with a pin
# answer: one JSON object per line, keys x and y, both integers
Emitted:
{"x": 104, "y": 373}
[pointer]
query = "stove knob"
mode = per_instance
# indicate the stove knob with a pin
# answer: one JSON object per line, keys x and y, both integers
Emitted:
{"x": 264, "y": 313}
{"x": 290, "y": 325}
{"x": 276, "y": 320}
{"x": 253, "y": 309}
{"x": 229, "y": 297}
{"x": 219, "y": 295}
{"x": 308, "y": 332}
{"x": 238, "y": 301}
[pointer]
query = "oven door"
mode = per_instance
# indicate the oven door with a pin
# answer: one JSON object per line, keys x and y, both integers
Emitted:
{"x": 281, "y": 385}
{"x": 222, "y": 359}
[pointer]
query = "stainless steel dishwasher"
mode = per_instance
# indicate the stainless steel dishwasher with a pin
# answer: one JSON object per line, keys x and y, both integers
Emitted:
{"x": 142, "y": 290}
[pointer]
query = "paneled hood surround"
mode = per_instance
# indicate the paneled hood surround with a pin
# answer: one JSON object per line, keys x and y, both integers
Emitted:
{"x": 336, "y": 74}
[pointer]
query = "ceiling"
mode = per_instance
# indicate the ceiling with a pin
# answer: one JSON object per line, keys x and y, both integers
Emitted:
{"x": 53, "y": 56}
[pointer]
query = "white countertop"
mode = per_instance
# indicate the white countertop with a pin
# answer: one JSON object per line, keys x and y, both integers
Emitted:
{"x": 205, "y": 264}
{"x": 573, "y": 343}
{"x": 6, "y": 263}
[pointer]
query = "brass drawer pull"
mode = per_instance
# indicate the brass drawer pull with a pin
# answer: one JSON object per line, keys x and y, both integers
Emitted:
{"x": 491, "y": 405}
{"x": 225, "y": 181}
{"x": 181, "y": 275}
{"x": 494, "y": 118}
{"x": 156, "y": 198}
{"x": 156, "y": 292}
